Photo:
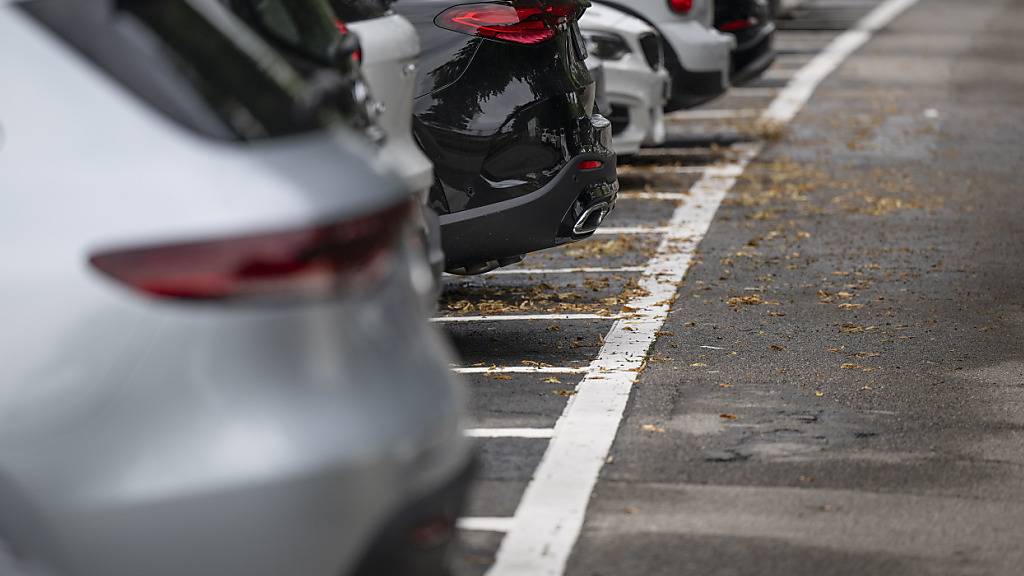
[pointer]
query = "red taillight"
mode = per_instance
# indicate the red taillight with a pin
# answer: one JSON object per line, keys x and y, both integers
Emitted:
{"x": 518, "y": 24}
{"x": 341, "y": 26}
{"x": 590, "y": 164}
{"x": 737, "y": 25}
{"x": 680, "y": 6}
{"x": 317, "y": 260}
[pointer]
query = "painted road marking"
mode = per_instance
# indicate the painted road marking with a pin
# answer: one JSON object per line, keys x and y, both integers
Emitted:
{"x": 551, "y": 513}
{"x": 800, "y": 89}
{"x": 632, "y": 230}
{"x": 480, "y": 524}
{"x": 669, "y": 196}
{"x": 520, "y": 370}
{"x": 541, "y": 433}
{"x": 524, "y": 318}
{"x": 583, "y": 270}
{"x": 661, "y": 170}
{"x": 713, "y": 114}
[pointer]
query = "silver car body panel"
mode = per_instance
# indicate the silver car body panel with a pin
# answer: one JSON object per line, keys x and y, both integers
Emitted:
{"x": 630, "y": 80}
{"x": 145, "y": 436}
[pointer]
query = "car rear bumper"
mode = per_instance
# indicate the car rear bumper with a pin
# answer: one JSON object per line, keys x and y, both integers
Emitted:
{"x": 699, "y": 60}
{"x": 754, "y": 56}
{"x": 542, "y": 219}
{"x": 418, "y": 539}
{"x": 637, "y": 97}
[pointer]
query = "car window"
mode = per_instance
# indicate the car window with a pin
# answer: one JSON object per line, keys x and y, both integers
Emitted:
{"x": 305, "y": 26}
{"x": 193, "y": 61}
{"x": 356, "y": 10}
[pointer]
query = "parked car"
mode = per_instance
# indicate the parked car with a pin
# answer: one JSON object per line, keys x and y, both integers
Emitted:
{"x": 637, "y": 83}
{"x": 376, "y": 58}
{"x": 390, "y": 50}
{"x": 506, "y": 110}
{"x": 752, "y": 24}
{"x": 214, "y": 360}
{"x": 696, "y": 55}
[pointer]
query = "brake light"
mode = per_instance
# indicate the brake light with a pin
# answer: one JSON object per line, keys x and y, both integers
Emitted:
{"x": 590, "y": 164}
{"x": 517, "y": 24}
{"x": 737, "y": 25}
{"x": 313, "y": 261}
{"x": 680, "y": 6}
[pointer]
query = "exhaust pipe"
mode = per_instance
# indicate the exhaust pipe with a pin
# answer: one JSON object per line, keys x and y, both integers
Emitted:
{"x": 591, "y": 219}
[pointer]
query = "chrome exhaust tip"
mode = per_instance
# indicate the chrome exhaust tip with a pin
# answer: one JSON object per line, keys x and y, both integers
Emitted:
{"x": 591, "y": 219}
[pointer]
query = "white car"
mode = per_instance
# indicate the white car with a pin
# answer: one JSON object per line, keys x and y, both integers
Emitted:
{"x": 215, "y": 362}
{"x": 637, "y": 84}
{"x": 390, "y": 50}
{"x": 697, "y": 56}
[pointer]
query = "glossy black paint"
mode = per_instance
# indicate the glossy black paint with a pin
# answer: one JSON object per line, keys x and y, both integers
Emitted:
{"x": 502, "y": 122}
{"x": 754, "y": 51}
{"x": 357, "y": 10}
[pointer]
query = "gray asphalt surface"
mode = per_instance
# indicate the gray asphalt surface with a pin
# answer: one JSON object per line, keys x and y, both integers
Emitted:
{"x": 840, "y": 386}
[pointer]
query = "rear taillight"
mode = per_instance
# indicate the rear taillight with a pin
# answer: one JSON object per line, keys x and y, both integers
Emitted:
{"x": 738, "y": 25}
{"x": 680, "y": 6}
{"x": 517, "y": 24}
{"x": 313, "y": 261}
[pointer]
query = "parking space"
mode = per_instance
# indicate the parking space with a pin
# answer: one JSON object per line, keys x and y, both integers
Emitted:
{"x": 547, "y": 342}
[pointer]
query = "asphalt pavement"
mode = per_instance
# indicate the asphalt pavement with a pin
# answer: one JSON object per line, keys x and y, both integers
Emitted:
{"x": 837, "y": 385}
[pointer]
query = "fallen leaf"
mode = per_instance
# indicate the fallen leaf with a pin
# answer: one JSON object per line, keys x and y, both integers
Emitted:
{"x": 500, "y": 377}
{"x": 698, "y": 365}
{"x": 728, "y": 416}
{"x": 552, "y": 381}
{"x": 750, "y": 300}
{"x": 653, "y": 428}
{"x": 851, "y": 366}
{"x": 819, "y": 393}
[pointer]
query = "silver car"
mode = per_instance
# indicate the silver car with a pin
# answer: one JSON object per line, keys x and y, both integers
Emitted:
{"x": 214, "y": 360}
{"x": 636, "y": 81}
{"x": 696, "y": 55}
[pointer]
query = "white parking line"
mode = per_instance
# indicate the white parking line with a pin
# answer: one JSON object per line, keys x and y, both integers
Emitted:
{"x": 523, "y": 318}
{"x": 713, "y": 114}
{"x": 550, "y": 515}
{"x": 661, "y": 170}
{"x": 693, "y": 151}
{"x": 669, "y": 196}
{"x": 480, "y": 524}
{"x": 799, "y": 90}
{"x": 520, "y": 370}
{"x": 586, "y": 270}
{"x": 539, "y": 433}
{"x": 632, "y": 230}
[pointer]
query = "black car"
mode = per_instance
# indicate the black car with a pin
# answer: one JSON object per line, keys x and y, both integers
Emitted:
{"x": 506, "y": 109}
{"x": 753, "y": 25}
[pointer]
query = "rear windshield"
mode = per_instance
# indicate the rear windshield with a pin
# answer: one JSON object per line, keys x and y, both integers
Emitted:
{"x": 356, "y": 10}
{"x": 192, "y": 60}
{"x": 306, "y": 27}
